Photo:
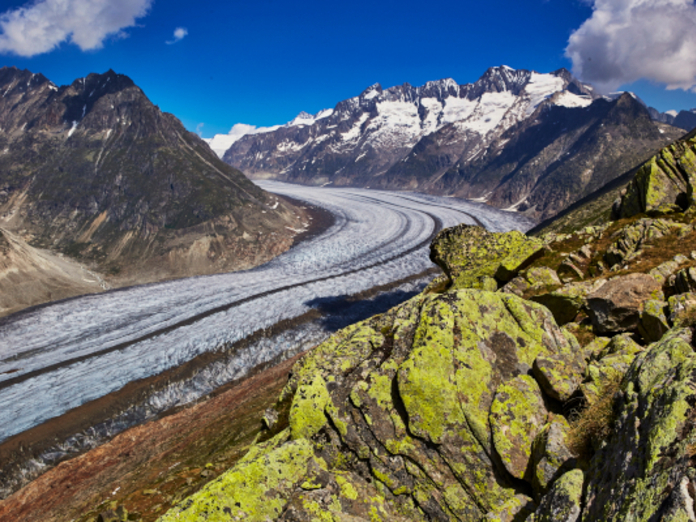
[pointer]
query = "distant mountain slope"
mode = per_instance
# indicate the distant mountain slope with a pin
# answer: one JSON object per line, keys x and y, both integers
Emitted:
{"x": 97, "y": 172}
{"x": 515, "y": 138}
{"x": 29, "y": 276}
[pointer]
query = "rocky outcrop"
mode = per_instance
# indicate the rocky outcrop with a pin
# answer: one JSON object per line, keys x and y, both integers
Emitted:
{"x": 617, "y": 305}
{"x": 472, "y": 257}
{"x": 413, "y": 404}
{"x": 644, "y": 471}
{"x": 665, "y": 183}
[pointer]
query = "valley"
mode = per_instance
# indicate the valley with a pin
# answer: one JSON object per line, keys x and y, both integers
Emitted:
{"x": 79, "y": 350}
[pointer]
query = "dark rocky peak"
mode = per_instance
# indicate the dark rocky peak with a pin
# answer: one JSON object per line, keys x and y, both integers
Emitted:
{"x": 440, "y": 89}
{"x": 662, "y": 117}
{"x": 574, "y": 85}
{"x": 686, "y": 120}
{"x": 13, "y": 79}
{"x": 303, "y": 118}
{"x": 500, "y": 79}
{"x": 84, "y": 93}
{"x": 627, "y": 109}
{"x": 99, "y": 84}
{"x": 371, "y": 92}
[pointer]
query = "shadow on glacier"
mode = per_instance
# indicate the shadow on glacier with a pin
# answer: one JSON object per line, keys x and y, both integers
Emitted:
{"x": 343, "y": 310}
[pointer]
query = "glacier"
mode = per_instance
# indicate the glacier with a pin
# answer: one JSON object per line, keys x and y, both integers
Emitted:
{"x": 70, "y": 352}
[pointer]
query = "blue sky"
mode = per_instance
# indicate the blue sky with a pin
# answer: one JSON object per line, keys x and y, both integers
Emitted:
{"x": 263, "y": 62}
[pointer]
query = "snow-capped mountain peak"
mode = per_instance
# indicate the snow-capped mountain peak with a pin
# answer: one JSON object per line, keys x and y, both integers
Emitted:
{"x": 383, "y": 125}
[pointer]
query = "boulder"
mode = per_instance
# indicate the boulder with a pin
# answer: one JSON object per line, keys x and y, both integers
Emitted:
{"x": 519, "y": 507}
{"x": 468, "y": 254}
{"x": 616, "y": 306}
{"x": 517, "y": 415}
{"x": 682, "y": 309}
{"x": 567, "y": 301}
{"x": 685, "y": 281}
{"x": 653, "y": 321}
{"x": 551, "y": 456}
{"x": 663, "y": 271}
{"x": 568, "y": 271}
{"x": 559, "y": 374}
{"x": 407, "y": 397}
{"x": 533, "y": 279}
{"x": 594, "y": 348}
{"x": 643, "y": 470}
{"x": 563, "y": 501}
{"x": 612, "y": 361}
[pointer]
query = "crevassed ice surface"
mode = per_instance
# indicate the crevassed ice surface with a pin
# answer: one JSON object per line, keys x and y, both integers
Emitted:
{"x": 84, "y": 348}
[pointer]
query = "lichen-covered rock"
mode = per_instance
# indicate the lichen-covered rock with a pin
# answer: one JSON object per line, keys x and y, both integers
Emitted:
{"x": 685, "y": 280}
{"x": 616, "y": 306}
{"x": 536, "y": 278}
{"x": 593, "y": 349}
{"x": 519, "y": 507}
{"x": 307, "y": 410}
{"x": 563, "y": 502}
{"x": 663, "y": 271}
{"x": 517, "y": 414}
{"x": 568, "y": 271}
{"x": 632, "y": 237}
{"x": 406, "y": 396}
{"x": 612, "y": 361}
{"x": 653, "y": 321}
{"x": 664, "y": 183}
{"x": 643, "y": 469}
{"x": 620, "y": 344}
{"x": 469, "y": 254}
{"x": 567, "y": 301}
{"x": 682, "y": 309}
{"x": 559, "y": 374}
{"x": 551, "y": 456}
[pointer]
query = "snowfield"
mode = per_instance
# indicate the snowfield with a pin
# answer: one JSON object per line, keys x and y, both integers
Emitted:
{"x": 60, "y": 356}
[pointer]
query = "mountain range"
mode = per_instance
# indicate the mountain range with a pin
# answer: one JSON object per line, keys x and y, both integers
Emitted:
{"x": 96, "y": 173}
{"x": 515, "y": 139}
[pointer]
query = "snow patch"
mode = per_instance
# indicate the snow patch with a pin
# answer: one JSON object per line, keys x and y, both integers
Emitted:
{"x": 457, "y": 109}
{"x": 74, "y": 126}
{"x": 568, "y": 99}
{"x": 541, "y": 87}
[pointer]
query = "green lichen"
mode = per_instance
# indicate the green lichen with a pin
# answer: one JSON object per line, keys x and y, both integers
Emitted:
{"x": 307, "y": 415}
{"x": 516, "y": 414}
{"x": 255, "y": 490}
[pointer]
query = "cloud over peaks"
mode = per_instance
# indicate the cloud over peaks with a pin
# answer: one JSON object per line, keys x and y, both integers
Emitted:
{"x": 43, "y": 25}
{"x": 626, "y": 40}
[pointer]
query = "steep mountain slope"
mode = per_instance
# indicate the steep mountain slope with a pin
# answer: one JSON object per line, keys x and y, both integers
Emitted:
{"x": 29, "y": 275}
{"x": 509, "y": 137}
{"x": 95, "y": 171}
{"x": 547, "y": 162}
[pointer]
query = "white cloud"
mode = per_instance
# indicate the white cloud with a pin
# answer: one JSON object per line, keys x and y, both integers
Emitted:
{"x": 626, "y": 40}
{"x": 179, "y": 34}
{"x": 41, "y": 26}
{"x": 221, "y": 142}
{"x": 199, "y": 129}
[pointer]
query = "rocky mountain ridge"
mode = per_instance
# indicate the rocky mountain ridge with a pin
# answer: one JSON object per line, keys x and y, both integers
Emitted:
{"x": 96, "y": 172}
{"x": 515, "y": 139}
